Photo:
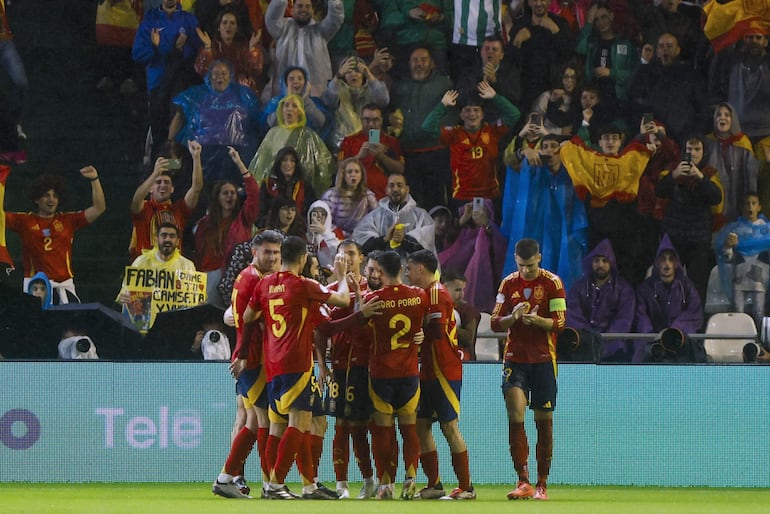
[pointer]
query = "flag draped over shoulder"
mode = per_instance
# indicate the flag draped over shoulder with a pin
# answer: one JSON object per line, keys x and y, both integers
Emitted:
{"x": 728, "y": 22}
{"x": 604, "y": 177}
{"x": 4, "y": 256}
{"x": 116, "y": 22}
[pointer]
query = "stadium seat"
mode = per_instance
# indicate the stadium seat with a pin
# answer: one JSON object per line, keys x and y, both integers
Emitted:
{"x": 487, "y": 348}
{"x": 729, "y": 350}
{"x": 716, "y": 300}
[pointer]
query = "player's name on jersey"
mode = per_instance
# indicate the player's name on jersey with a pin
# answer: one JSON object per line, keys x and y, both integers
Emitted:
{"x": 402, "y": 302}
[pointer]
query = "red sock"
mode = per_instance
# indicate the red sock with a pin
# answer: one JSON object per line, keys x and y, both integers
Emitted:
{"x": 393, "y": 452}
{"x": 361, "y": 450}
{"x": 316, "y": 449}
{"x": 239, "y": 451}
{"x": 519, "y": 447}
{"x": 411, "y": 448}
{"x": 341, "y": 452}
{"x": 271, "y": 453}
{"x": 288, "y": 447}
{"x": 429, "y": 461}
{"x": 381, "y": 448}
{"x": 544, "y": 448}
{"x": 462, "y": 470}
{"x": 305, "y": 460}
{"x": 262, "y": 435}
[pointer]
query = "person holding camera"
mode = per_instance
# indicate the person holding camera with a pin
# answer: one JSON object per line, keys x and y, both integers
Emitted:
{"x": 664, "y": 301}
{"x": 148, "y": 214}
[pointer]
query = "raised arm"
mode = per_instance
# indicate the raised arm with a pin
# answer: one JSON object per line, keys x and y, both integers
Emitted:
{"x": 161, "y": 165}
{"x": 193, "y": 194}
{"x": 99, "y": 205}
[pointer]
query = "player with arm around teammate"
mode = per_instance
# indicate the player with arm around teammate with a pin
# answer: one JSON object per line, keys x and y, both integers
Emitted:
{"x": 531, "y": 306}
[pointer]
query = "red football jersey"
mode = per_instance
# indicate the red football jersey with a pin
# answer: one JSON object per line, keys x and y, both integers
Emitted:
{"x": 393, "y": 353}
{"x": 46, "y": 243}
{"x": 350, "y": 347}
{"x": 440, "y": 356}
{"x": 473, "y": 159}
{"x": 525, "y": 343}
{"x": 147, "y": 221}
{"x": 243, "y": 288}
{"x": 289, "y": 305}
{"x": 376, "y": 177}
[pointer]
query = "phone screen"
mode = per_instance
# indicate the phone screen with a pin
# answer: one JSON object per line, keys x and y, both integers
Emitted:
{"x": 647, "y": 118}
{"x": 536, "y": 118}
{"x": 174, "y": 164}
{"x": 374, "y": 136}
{"x": 478, "y": 204}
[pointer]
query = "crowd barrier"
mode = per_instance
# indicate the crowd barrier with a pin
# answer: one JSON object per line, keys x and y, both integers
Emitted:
{"x": 663, "y": 425}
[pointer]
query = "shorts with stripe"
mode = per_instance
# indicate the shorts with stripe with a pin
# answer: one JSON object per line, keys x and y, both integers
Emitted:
{"x": 440, "y": 400}
{"x": 538, "y": 381}
{"x": 252, "y": 387}
{"x": 395, "y": 395}
{"x": 291, "y": 391}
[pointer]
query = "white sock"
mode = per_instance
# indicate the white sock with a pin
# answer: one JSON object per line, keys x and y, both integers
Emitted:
{"x": 307, "y": 489}
{"x": 224, "y": 478}
{"x": 343, "y": 484}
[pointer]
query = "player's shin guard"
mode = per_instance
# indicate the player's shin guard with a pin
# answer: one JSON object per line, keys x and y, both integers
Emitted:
{"x": 242, "y": 445}
{"x": 381, "y": 448}
{"x": 411, "y": 448}
{"x": 262, "y": 435}
{"x": 361, "y": 450}
{"x": 544, "y": 448}
{"x": 429, "y": 461}
{"x": 341, "y": 452}
{"x": 519, "y": 447}
{"x": 289, "y": 446}
{"x": 462, "y": 470}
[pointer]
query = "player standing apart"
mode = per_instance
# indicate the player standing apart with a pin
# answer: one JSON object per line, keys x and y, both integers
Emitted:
{"x": 531, "y": 306}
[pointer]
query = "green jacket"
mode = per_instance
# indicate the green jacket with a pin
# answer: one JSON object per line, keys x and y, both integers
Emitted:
{"x": 624, "y": 59}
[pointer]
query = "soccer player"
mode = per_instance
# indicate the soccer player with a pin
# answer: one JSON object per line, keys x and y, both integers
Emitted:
{"x": 286, "y": 300}
{"x": 246, "y": 367}
{"x": 394, "y": 385}
{"x": 531, "y": 306}
{"x": 441, "y": 375}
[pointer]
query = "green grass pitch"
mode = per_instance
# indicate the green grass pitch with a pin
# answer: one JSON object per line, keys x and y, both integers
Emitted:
{"x": 195, "y": 498}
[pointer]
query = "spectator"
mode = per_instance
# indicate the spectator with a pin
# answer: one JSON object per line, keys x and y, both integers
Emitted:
{"x": 380, "y": 158}
{"x": 301, "y": 41}
{"x": 397, "y": 223}
{"x": 670, "y": 89}
{"x": 467, "y": 315}
{"x": 540, "y": 43}
{"x": 227, "y": 223}
{"x": 355, "y": 36}
{"x": 208, "y": 11}
{"x": 493, "y": 69}
{"x": 40, "y": 287}
{"x": 593, "y": 114}
{"x": 348, "y": 92}
{"x": 609, "y": 60}
{"x": 526, "y": 143}
{"x": 683, "y": 20}
{"x": 291, "y": 131}
{"x": 749, "y": 89}
{"x": 166, "y": 43}
{"x": 472, "y": 27}
{"x": 229, "y": 44}
{"x": 322, "y": 236}
{"x": 294, "y": 82}
{"x": 668, "y": 300}
{"x": 286, "y": 180}
{"x": 742, "y": 248}
{"x": 540, "y": 203}
{"x": 416, "y": 22}
{"x": 163, "y": 255}
{"x": 473, "y": 146}
{"x": 601, "y": 301}
{"x": 731, "y": 153}
{"x": 46, "y": 234}
{"x": 147, "y": 215}
{"x": 218, "y": 114}
{"x": 427, "y": 161}
{"x": 559, "y": 105}
{"x": 283, "y": 217}
{"x": 693, "y": 194}
{"x": 349, "y": 200}
{"x": 479, "y": 251}
{"x": 444, "y": 227}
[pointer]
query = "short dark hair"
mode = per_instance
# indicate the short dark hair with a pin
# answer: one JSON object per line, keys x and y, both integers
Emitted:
{"x": 450, "y": 275}
{"x": 168, "y": 224}
{"x": 44, "y": 183}
{"x": 527, "y": 248}
{"x": 552, "y": 137}
{"x": 695, "y": 138}
{"x": 350, "y": 242}
{"x": 293, "y": 249}
{"x": 371, "y": 106}
{"x": 267, "y": 236}
{"x": 373, "y": 255}
{"x": 426, "y": 258}
{"x": 390, "y": 262}
{"x": 494, "y": 38}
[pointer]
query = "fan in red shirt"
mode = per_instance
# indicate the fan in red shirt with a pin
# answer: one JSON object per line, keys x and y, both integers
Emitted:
{"x": 441, "y": 375}
{"x": 289, "y": 303}
{"x": 531, "y": 306}
{"x": 247, "y": 369}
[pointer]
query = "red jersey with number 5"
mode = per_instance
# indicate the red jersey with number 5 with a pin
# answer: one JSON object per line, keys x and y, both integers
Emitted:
{"x": 289, "y": 305}
{"x": 393, "y": 352}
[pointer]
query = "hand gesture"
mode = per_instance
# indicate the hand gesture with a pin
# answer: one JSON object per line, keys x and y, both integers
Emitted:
{"x": 372, "y": 307}
{"x": 683, "y": 168}
{"x": 181, "y": 39}
{"x": 532, "y": 155}
{"x": 340, "y": 266}
{"x": 521, "y": 37}
{"x": 155, "y": 36}
{"x": 353, "y": 284}
{"x": 450, "y": 98}
{"x": 204, "y": 37}
{"x": 347, "y": 64}
{"x": 588, "y": 114}
{"x": 695, "y": 172}
{"x": 89, "y": 172}
{"x": 547, "y": 23}
{"x": 419, "y": 337}
{"x": 518, "y": 311}
{"x": 647, "y": 52}
{"x": 398, "y": 232}
{"x": 732, "y": 240}
{"x": 490, "y": 74}
{"x": 601, "y": 72}
{"x": 236, "y": 157}
{"x": 486, "y": 91}
{"x": 530, "y": 318}
{"x": 237, "y": 367}
{"x": 254, "y": 39}
{"x": 480, "y": 218}
{"x": 557, "y": 93}
{"x": 316, "y": 227}
{"x": 381, "y": 60}
{"x": 161, "y": 165}
{"x": 417, "y": 13}
{"x": 467, "y": 213}
{"x": 195, "y": 148}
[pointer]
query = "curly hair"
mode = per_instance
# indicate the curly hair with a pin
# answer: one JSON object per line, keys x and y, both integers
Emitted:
{"x": 44, "y": 183}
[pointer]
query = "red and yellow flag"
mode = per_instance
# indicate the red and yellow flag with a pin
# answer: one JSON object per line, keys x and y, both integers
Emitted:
{"x": 604, "y": 177}
{"x": 4, "y": 255}
{"x": 728, "y": 22}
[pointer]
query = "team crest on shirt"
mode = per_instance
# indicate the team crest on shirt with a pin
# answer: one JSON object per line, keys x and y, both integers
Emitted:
{"x": 539, "y": 293}
{"x": 57, "y": 225}
{"x": 485, "y": 138}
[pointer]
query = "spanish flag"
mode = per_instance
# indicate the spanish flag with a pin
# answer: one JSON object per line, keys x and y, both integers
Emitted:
{"x": 604, "y": 177}
{"x": 4, "y": 256}
{"x": 117, "y": 21}
{"x": 727, "y": 22}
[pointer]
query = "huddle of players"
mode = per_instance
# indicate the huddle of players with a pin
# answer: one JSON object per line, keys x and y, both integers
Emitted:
{"x": 379, "y": 326}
